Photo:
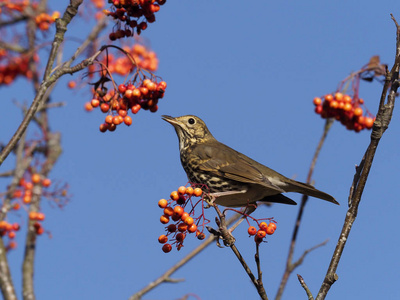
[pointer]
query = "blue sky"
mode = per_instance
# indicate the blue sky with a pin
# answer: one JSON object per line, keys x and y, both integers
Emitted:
{"x": 250, "y": 70}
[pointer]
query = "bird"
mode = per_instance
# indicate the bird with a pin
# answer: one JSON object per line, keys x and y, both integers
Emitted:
{"x": 232, "y": 178}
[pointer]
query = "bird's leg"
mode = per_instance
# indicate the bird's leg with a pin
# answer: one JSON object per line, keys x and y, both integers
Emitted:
{"x": 212, "y": 197}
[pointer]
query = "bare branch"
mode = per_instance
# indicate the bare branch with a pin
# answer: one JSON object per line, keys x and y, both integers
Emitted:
{"x": 289, "y": 265}
{"x": 305, "y": 287}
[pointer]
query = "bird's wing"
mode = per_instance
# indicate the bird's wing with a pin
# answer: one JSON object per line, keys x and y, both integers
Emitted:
{"x": 221, "y": 160}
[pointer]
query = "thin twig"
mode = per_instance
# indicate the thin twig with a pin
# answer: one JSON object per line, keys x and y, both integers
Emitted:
{"x": 305, "y": 287}
{"x": 290, "y": 267}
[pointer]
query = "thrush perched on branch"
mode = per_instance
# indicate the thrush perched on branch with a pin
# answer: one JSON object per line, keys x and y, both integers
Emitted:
{"x": 233, "y": 178}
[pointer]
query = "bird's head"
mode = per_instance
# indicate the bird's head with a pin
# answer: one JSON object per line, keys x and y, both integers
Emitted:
{"x": 190, "y": 130}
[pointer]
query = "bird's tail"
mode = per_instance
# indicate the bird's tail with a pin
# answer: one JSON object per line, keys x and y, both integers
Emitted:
{"x": 309, "y": 190}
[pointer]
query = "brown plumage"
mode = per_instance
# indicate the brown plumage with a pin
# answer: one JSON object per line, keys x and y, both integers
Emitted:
{"x": 232, "y": 177}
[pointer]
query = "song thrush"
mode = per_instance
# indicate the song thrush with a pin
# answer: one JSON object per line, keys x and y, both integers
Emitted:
{"x": 232, "y": 178}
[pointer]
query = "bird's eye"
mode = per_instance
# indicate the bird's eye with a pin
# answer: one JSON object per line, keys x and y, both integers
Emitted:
{"x": 191, "y": 121}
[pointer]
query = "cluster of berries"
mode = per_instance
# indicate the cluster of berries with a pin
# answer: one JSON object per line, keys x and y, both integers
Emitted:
{"x": 44, "y": 20}
{"x": 174, "y": 209}
{"x": 26, "y": 186}
{"x": 128, "y": 97}
{"x": 9, "y": 230}
{"x": 14, "y": 66}
{"x": 37, "y": 217}
{"x": 263, "y": 230}
{"x": 8, "y": 7}
{"x": 345, "y": 109}
{"x": 142, "y": 58}
{"x": 130, "y": 12}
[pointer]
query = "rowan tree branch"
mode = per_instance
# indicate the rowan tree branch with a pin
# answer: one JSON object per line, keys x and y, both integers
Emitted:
{"x": 381, "y": 123}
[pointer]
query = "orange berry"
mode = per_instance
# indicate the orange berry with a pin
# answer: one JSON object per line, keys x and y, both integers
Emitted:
{"x": 261, "y": 233}
{"x": 168, "y": 211}
{"x": 263, "y": 225}
{"x": 166, "y": 248}
{"x": 189, "y": 191}
{"x": 164, "y": 219}
{"x": 46, "y": 182}
{"x": 361, "y": 101}
{"x": 95, "y": 103}
{"x": 88, "y": 106}
{"x": 104, "y": 107}
{"x": 272, "y": 225}
{"x": 11, "y": 234}
{"x": 71, "y": 84}
{"x": 162, "y": 203}
{"x": 338, "y": 96}
{"x": 3, "y": 224}
{"x": 358, "y": 111}
{"x": 334, "y": 104}
{"x": 182, "y": 190}
{"x": 184, "y": 216}
{"x": 16, "y": 226}
{"x": 182, "y": 227}
{"x": 192, "y": 228}
{"x": 35, "y": 178}
{"x": 178, "y": 210}
{"x": 347, "y": 98}
{"x": 174, "y": 195}
{"x": 197, "y": 192}
{"x": 252, "y": 230}
{"x": 128, "y": 120}
{"x": 189, "y": 221}
{"x": 162, "y": 239}
{"x": 270, "y": 230}
{"x": 16, "y": 206}
{"x": 40, "y": 216}
{"x": 317, "y": 101}
{"x": 109, "y": 119}
{"x": 27, "y": 199}
{"x": 328, "y": 97}
{"x": 369, "y": 122}
{"x": 28, "y": 185}
{"x": 135, "y": 108}
{"x": 33, "y": 215}
{"x": 347, "y": 106}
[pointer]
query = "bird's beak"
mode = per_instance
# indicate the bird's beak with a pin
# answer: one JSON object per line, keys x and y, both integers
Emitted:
{"x": 170, "y": 120}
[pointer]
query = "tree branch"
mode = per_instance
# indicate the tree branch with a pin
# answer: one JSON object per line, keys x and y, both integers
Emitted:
{"x": 381, "y": 123}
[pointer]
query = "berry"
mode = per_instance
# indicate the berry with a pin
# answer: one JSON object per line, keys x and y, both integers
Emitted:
{"x": 162, "y": 239}
{"x": 166, "y": 248}
{"x": 162, "y": 203}
{"x": 252, "y": 230}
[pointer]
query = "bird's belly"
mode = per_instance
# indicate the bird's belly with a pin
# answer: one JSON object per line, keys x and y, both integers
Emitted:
{"x": 248, "y": 195}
